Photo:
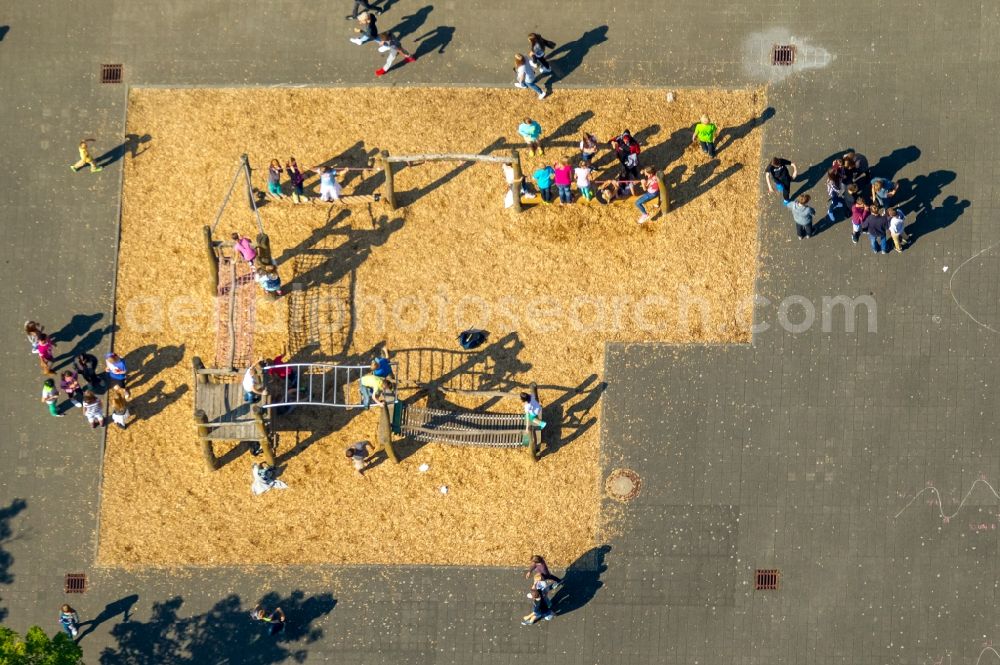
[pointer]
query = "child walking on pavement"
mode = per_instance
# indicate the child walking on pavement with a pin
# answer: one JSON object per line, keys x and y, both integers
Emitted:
{"x": 803, "y": 216}
{"x": 85, "y": 158}
{"x": 368, "y": 29}
{"x": 50, "y": 397}
{"x": 540, "y": 609}
{"x": 388, "y": 43}
{"x": 776, "y": 175}
{"x": 32, "y": 329}
{"x": 525, "y": 76}
{"x": 69, "y": 620}
{"x": 45, "y": 348}
{"x": 531, "y": 132}
{"x": 536, "y": 52}
{"x": 539, "y": 567}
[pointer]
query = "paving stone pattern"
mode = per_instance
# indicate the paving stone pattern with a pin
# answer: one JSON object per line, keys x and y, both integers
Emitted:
{"x": 812, "y": 452}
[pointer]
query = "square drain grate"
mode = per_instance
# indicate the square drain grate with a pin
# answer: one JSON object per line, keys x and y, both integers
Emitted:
{"x": 767, "y": 580}
{"x": 782, "y": 55}
{"x": 111, "y": 73}
{"x": 75, "y": 583}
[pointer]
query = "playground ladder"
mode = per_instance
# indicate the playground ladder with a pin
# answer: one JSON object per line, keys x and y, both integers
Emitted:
{"x": 321, "y": 384}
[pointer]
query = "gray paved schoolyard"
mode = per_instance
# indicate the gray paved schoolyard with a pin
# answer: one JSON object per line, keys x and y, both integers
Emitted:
{"x": 815, "y": 450}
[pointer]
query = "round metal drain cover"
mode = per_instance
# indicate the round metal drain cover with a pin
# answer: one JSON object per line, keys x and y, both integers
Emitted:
{"x": 623, "y": 484}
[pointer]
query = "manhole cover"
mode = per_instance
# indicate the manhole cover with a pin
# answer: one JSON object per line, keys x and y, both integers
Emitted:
{"x": 623, "y": 484}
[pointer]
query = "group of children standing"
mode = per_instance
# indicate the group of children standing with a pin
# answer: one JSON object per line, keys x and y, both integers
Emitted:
{"x": 562, "y": 174}
{"x": 849, "y": 186}
{"x": 81, "y": 394}
{"x": 329, "y": 189}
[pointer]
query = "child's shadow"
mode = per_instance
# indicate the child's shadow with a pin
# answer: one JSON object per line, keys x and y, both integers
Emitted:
{"x": 435, "y": 40}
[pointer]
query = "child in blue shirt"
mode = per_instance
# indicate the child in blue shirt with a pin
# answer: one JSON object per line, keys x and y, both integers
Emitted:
{"x": 543, "y": 178}
{"x": 531, "y": 132}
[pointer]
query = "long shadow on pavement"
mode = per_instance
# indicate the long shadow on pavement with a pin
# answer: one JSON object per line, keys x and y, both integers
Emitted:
{"x": 566, "y": 57}
{"x": 224, "y": 634}
{"x": 110, "y": 611}
{"x": 6, "y": 560}
{"x": 581, "y": 581}
{"x": 437, "y": 39}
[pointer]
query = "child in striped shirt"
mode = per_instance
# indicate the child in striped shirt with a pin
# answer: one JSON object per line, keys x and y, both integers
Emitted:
{"x": 92, "y": 409}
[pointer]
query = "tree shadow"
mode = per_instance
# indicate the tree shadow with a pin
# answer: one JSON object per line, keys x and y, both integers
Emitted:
{"x": 4, "y": 29}
{"x": 581, "y": 581}
{"x": 567, "y": 419}
{"x": 131, "y": 145}
{"x": 147, "y": 361}
{"x": 224, "y": 634}
{"x": 110, "y": 611}
{"x": 6, "y": 559}
{"x": 729, "y": 135}
{"x": 408, "y": 197}
{"x": 412, "y": 22}
{"x": 437, "y": 39}
{"x": 568, "y": 56}
{"x": 153, "y": 400}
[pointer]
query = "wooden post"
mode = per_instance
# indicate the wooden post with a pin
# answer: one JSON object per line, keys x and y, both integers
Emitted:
{"x": 198, "y": 366}
{"x": 385, "y": 432}
{"x": 213, "y": 261}
{"x": 246, "y": 169}
{"x": 664, "y": 193}
{"x": 206, "y": 444}
{"x": 264, "y": 248}
{"x": 390, "y": 192}
{"x": 535, "y": 435}
{"x": 518, "y": 180}
{"x": 263, "y": 437}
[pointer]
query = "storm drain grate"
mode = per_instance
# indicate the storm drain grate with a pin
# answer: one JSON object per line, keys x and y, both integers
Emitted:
{"x": 75, "y": 583}
{"x": 782, "y": 55}
{"x": 111, "y": 73}
{"x": 767, "y": 580}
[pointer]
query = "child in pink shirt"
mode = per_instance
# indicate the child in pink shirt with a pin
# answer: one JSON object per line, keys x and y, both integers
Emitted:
{"x": 243, "y": 245}
{"x": 564, "y": 180}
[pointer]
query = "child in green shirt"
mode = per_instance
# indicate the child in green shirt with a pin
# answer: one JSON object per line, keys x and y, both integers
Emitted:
{"x": 704, "y": 133}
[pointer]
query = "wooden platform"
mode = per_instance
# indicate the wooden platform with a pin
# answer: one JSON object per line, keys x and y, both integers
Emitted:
{"x": 229, "y": 417}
